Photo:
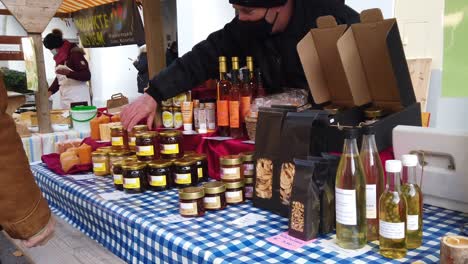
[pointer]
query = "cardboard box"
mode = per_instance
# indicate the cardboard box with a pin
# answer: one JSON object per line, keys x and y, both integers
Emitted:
{"x": 356, "y": 68}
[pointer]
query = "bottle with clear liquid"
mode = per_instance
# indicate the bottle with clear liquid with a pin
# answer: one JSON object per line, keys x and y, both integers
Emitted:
{"x": 374, "y": 181}
{"x": 414, "y": 198}
{"x": 392, "y": 214}
{"x": 350, "y": 196}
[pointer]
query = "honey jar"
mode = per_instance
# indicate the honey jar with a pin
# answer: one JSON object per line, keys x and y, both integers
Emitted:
{"x": 117, "y": 175}
{"x": 235, "y": 192}
{"x": 248, "y": 164}
{"x": 231, "y": 168}
{"x": 119, "y": 138}
{"x": 185, "y": 173}
{"x": 171, "y": 144}
{"x": 202, "y": 166}
{"x": 132, "y": 136}
{"x": 191, "y": 202}
{"x": 215, "y": 195}
{"x": 160, "y": 175}
{"x": 249, "y": 188}
{"x": 146, "y": 144}
{"x": 100, "y": 163}
{"x": 134, "y": 177}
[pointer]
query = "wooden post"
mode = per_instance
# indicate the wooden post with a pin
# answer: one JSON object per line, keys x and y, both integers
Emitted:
{"x": 42, "y": 96}
{"x": 154, "y": 42}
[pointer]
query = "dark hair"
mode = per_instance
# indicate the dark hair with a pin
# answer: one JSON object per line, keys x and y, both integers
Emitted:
{"x": 173, "y": 45}
{"x": 54, "y": 40}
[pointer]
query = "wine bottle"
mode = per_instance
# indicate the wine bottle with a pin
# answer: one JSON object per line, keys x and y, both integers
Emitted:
{"x": 222, "y": 104}
{"x": 234, "y": 106}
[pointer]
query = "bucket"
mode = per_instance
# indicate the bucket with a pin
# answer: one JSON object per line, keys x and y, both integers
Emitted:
{"x": 81, "y": 115}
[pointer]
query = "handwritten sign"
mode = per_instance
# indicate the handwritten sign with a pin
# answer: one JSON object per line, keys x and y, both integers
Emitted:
{"x": 288, "y": 242}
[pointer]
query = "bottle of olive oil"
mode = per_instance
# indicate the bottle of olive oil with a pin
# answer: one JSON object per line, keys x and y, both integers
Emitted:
{"x": 392, "y": 214}
{"x": 375, "y": 184}
{"x": 350, "y": 196}
{"x": 413, "y": 195}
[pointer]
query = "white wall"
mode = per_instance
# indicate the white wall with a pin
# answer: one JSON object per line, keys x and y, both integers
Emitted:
{"x": 387, "y": 6}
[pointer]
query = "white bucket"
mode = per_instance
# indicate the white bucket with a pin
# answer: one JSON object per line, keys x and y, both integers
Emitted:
{"x": 81, "y": 115}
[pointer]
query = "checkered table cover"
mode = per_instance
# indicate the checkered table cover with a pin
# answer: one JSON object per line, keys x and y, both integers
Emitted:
{"x": 132, "y": 229}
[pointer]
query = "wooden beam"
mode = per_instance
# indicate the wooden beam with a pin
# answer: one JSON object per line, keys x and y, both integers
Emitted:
{"x": 6, "y": 12}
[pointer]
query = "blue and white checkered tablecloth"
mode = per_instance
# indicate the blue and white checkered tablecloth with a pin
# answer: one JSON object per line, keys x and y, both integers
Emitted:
{"x": 132, "y": 228}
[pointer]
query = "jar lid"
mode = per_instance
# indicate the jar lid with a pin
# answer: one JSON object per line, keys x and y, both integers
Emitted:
{"x": 118, "y": 163}
{"x": 149, "y": 134}
{"x": 191, "y": 193}
{"x": 176, "y": 108}
{"x": 234, "y": 185}
{"x": 170, "y": 133}
{"x": 116, "y": 127}
{"x": 249, "y": 180}
{"x": 190, "y": 153}
{"x": 214, "y": 187}
{"x": 198, "y": 157}
{"x": 130, "y": 158}
{"x": 160, "y": 164}
{"x": 98, "y": 154}
{"x": 373, "y": 112}
{"x": 247, "y": 156}
{"x": 185, "y": 162}
{"x": 230, "y": 160}
{"x": 105, "y": 149}
{"x": 332, "y": 109}
{"x": 117, "y": 153}
{"x": 134, "y": 166}
{"x": 140, "y": 128}
{"x": 166, "y": 108}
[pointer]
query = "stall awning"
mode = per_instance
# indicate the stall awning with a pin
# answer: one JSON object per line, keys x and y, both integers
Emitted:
{"x": 69, "y": 6}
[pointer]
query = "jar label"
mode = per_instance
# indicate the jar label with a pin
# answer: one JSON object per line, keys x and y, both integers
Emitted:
{"x": 230, "y": 173}
{"x": 249, "y": 191}
{"x": 188, "y": 209}
{"x": 158, "y": 181}
{"x": 412, "y": 222}
{"x": 168, "y": 119}
{"x": 212, "y": 202}
{"x": 200, "y": 173}
{"x": 117, "y": 141}
{"x": 371, "y": 201}
{"x": 234, "y": 197}
{"x": 248, "y": 169}
{"x": 168, "y": 149}
{"x": 345, "y": 201}
{"x": 392, "y": 230}
{"x": 178, "y": 120}
{"x": 145, "y": 151}
{"x": 131, "y": 183}
{"x": 132, "y": 141}
{"x": 99, "y": 167}
{"x": 118, "y": 179}
{"x": 185, "y": 178}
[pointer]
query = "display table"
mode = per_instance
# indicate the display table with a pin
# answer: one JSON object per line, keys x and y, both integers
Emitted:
{"x": 136, "y": 228}
{"x": 40, "y": 144}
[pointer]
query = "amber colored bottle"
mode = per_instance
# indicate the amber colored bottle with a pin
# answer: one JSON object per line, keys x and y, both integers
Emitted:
{"x": 246, "y": 96}
{"x": 224, "y": 86}
{"x": 234, "y": 106}
{"x": 260, "y": 89}
{"x": 252, "y": 79}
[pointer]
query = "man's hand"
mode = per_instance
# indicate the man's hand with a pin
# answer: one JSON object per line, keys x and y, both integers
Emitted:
{"x": 49, "y": 93}
{"x": 62, "y": 71}
{"x": 144, "y": 106}
{"x": 41, "y": 238}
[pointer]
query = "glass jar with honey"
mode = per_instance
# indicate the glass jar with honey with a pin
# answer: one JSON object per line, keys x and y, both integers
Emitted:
{"x": 134, "y": 177}
{"x": 132, "y": 136}
{"x": 146, "y": 144}
{"x": 171, "y": 144}
{"x": 100, "y": 163}
{"x": 119, "y": 138}
{"x": 185, "y": 173}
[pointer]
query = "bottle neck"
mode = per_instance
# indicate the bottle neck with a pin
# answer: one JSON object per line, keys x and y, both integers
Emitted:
{"x": 222, "y": 76}
{"x": 350, "y": 147}
{"x": 409, "y": 175}
{"x": 368, "y": 144}
{"x": 393, "y": 181}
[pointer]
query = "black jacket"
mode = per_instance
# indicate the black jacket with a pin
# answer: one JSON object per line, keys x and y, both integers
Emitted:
{"x": 141, "y": 64}
{"x": 276, "y": 56}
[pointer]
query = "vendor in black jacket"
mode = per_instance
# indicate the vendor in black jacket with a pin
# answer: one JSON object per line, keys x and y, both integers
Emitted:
{"x": 268, "y": 30}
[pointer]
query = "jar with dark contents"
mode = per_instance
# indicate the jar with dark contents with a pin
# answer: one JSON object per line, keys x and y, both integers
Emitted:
{"x": 119, "y": 138}
{"x": 191, "y": 202}
{"x": 134, "y": 177}
{"x": 171, "y": 144}
{"x": 146, "y": 144}
{"x": 249, "y": 188}
{"x": 159, "y": 175}
{"x": 115, "y": 156}
{"x": 202, "y": 166}
{"x": 373, "y": 114}
{"x": 185, "y": 173}
{"x": 215, "y": 196}
{"x": 117, "y": 174}
{"x": 235, "y": 192}
{"x": 132, "y": 136}
{"x": 100, "y": 163}
{"x": 248, "y": 164}
{"x": 231, "y": 168}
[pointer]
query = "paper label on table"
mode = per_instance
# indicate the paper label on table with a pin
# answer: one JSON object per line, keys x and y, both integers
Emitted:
{"x": 131, "y": 183}
{"x": 230, "y": 173}
{"x": 234, "y": 197}
{"x": 145, "y": 151}
{"x": 371, "y": 201}
{"x": 188, "y": 209}
{"x": 158, "y": 181}
{"x": 412, "y": 222}
{"x": 117, "y": 141}
{"x": 132, "y": 141}
{"x": 82, "y": 177}
{"x": 392, "y": 230}
{"x": 200, "y": 173}
{"x": 248, "y": 220}
{"x": 218, "y": 138}
{"x": 288, "y": 242}
{"x": 113, "y": 195}
{"x": 99, "y": 167}
{"x": 174, "y": 218}
{"x": 168, "y": 149}
{"x": 212, "y": 202}
{"x": 331, "y": 245}
{"x": 185, "y": 178}
{"x": 250, "y": 142}
{"x": 345, "y": 206}
{"x": 118, "y": 179}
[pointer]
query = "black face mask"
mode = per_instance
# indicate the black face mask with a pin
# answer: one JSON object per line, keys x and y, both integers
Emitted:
{"x": 256, "y": 30}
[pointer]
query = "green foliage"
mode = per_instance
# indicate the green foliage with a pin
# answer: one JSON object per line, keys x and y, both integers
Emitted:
{"x": 15, "y": 81}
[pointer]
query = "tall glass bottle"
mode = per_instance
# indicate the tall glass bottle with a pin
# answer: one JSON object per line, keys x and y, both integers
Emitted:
{"x": 392, "y": 214}
{"x": 414, "y": 198}
{"x": 260, "y": 89}
{"x": 374, "y": 181}
{"x": 252, "y": 81}
{"x": 246, "y": 96}
{"x": 224, "y": 87}
{"x": 234, "y": 106}
{"x": 350, "y": 195}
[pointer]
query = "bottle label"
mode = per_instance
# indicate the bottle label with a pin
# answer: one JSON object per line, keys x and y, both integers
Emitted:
{"x": 212, "y": 202}
{"x": 99, "y": 167}
{"x": 234, "y": 197}
{"x": 168, "y": 119}
{"x": 132, "y": 141}
{"x": 245, "y": 106}
{"x": 248, "y": 169}
{"x": 200, "y": 173}
{"x": 223, "y": 113}
{"x": 412, "y": 222}
{"x": 178, "y": 120}
{"x": 131, "y": 183}
{"x": 234, "y": 114}
{"x": 188, "y": 209}
{"x": 345, "y": 206}
{"x": 230, "y": 173}
{"x": 118, "y": 179}
{"x": 158, "y": 181}
{"x": 185, "y": 178}
{"x": 249, "y": 191}
{"x": 392, "y": 230}
{"x": 371, "y": 201}
{"x": 145, "y": 151}
{"x": 117, "y": 141}
{"x": 168, "y": 149}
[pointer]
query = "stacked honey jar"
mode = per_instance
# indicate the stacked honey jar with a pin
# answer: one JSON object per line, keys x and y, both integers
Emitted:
{"x": 147, "y": 160}
{"x": 236, "y": 185}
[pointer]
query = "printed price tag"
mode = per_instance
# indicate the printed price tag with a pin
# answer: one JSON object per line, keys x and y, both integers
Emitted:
{"x": 288, "y": 242}
{"x": 247, "y": 220}
{"x": 82, "y": 177}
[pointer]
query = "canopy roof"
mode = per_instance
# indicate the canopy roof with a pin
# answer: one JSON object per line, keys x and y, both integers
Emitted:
{"x": 69, "y": 6}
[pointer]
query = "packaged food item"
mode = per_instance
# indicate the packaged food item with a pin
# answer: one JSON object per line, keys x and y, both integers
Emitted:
{"x": 116, "y": 156}
{"x": 249, "y": 188}
{"x": 202, "y": 166}
{"x": 107, "y": 149}
{"x": 84, "y": 153}
{"x": 171, "y": 144}
{"x": 167, "y": 117}
{"x": 215, "y": 196}
{"x": 167, "y": 102}
{"x": 231, "y": 168}
{"x": 146, "y": 146}
{"x": 187, "y": 115}
{"x": 160, "y": 175}
{"x": 100, "y": 163}
{"x": 178, "y": 118}
{"x": 119, "y": 138}
{"x": 235, "y": 192}
{"x": 185, "y": 173}
{"x": 63, "y": 146}
{"x": 117, "y": 174}
{"x": 115, "y": 118}
{"x": 210, "y": 109}
{"x": 191, "y": 202}
{"x": 202, "y": 120}
{"x": 248, "y": 164}
{"x": 132, "y": 136}
{"x": 196, "y": 107}
{"x": 68, "y": 160}
{"x": 134, "y": 177}
{"x": 94, "y": 125}
{"x": 179, "y": 99}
